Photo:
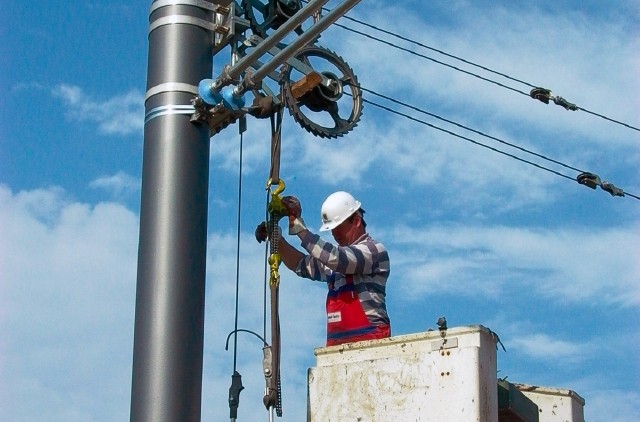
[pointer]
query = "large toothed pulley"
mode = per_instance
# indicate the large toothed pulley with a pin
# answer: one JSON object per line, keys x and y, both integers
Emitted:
{"x": 333, "y": 106}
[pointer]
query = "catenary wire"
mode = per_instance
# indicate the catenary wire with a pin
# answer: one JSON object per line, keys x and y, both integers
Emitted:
{"x": 499, "y": 151}
{"x": 431, "y": 59}
{"x": 384, "y": 31}
{"x": 393, "y": 100}
{"x": 474, "y": 75}
{"x": 457, "y": 135}
{"x": 457, "y": 68}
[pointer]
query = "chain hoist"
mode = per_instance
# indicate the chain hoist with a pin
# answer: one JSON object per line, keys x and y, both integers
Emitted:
{"x": 275, "y": 211}
{"x": 271, "y": 361}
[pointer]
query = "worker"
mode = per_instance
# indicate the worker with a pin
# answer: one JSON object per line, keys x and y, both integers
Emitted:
{"x": 355, "y": 270}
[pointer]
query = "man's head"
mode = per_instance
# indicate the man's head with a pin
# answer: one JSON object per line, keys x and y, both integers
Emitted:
{"x": 343, "y": 215}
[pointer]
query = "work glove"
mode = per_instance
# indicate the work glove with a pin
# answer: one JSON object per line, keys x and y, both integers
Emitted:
{"x": 262, "y": 232}
{"x": 294, "y": 210}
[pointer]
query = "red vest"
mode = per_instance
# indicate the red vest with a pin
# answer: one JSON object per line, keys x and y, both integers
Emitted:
{"x": 346, "y": 320}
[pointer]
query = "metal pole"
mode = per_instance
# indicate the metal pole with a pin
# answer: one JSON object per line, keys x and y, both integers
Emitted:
{"x": 169, "y": 320}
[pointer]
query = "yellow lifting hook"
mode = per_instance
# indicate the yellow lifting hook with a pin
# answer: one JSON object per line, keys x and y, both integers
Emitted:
{"x": 276, "y": 211}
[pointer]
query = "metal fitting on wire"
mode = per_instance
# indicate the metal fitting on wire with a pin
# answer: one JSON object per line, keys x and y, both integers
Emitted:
{"x": 592, "y": 181}
{"x": 544, "y": 95}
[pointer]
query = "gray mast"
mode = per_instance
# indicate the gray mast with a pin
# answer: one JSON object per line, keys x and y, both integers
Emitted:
{"x": 169, "y": 320}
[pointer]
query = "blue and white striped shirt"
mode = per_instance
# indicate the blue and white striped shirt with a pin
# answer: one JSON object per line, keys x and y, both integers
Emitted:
{"x": 366, "y": 259}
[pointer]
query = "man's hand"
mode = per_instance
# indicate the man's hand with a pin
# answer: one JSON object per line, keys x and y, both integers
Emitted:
{"x": 294, "y": 210}
{"x": 292, "y": 204}
{"x": 262, "y": 234}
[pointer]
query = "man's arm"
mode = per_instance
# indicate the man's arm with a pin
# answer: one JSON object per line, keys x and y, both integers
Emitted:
{"x": 290, "y": 255}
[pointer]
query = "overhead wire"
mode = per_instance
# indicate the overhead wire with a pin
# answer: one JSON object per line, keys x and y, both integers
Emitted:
{"x": 384, "y": 31}
{"x": 457, "y": 135}
{"x": 393, "y": 100}
{"x": 535, "y": 93}
{"x": 504, "y": 75}
{"x": 558, "y": 100}
{"x": 475, "y": 142}
{"x": 430, "y": 59}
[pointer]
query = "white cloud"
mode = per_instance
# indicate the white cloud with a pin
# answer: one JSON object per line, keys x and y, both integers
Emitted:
{"x": 68, "y": 310}
{"x": 411, "y": 156}
{"x": 120, "y": 115}
{"x": 542, "y": 346}
{"x": 118, "y": 184}
{"x": 68, "y": 273}
{"x": 598, "y": 406}
{"x": 569, "y": 265}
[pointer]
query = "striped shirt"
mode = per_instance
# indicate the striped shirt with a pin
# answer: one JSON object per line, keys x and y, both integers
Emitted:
{"x": 366, "y": 259}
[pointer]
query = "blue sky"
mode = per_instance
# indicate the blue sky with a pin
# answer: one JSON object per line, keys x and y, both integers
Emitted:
{"x": 548, "y": 264}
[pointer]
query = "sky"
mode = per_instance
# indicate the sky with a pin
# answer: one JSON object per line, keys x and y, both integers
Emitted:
{"x": 474, "y": 235}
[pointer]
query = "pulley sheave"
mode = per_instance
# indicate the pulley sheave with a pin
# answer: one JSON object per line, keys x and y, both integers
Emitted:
{"x": 265, "y": 15}
{"x": 333, "y": 107}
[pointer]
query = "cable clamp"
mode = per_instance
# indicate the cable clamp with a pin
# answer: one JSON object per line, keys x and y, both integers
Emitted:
{"x": 541, "y": 94}
{"x": 589, "y": 179}
{"x": 269, "y": 398}
{"x": 564, "y": 103}
{"x": 609, "y": 187}
{"x": 234, "y": 394}
{"x": 545, "y": 95}
{"x": 593, "y": 180}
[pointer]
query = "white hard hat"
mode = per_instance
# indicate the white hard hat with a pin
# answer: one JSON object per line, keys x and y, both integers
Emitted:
{"x": 336, "y": 208}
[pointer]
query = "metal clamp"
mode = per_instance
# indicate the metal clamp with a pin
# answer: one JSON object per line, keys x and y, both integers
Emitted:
{"x": 185, "y": 20}
{"x": 544, "y": 95}
{"x": 168, "y": 110}
{"x": 593, "y": 180}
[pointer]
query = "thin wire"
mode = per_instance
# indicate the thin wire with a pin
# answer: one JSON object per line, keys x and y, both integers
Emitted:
{"x": 457, "y": 68}
{"x": 436, "y": 50}
{"x": 471, "y": 130}
{"x": 609, "y": 119}
{"x": 390, "y": 110}
{"x": 235, "y": 335}
{"x": 457, "y": 135}
{"x": 432, "y": 59}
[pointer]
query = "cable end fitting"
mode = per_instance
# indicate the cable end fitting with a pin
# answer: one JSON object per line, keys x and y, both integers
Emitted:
{"x": 541, "y": 94}
{"x": 589, "y": 179}
{"x": 593, "y": 180}
{"x": 564, "y": 103}
{"x": 609, "y": 187}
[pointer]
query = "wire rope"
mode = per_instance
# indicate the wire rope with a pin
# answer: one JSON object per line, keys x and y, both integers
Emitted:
{"x": 504, "y": 75}
{"x": 384, "y": 31}
{"x": 475, "y": 75}
{"x": 499, "y": 151}
{"x": 471, "y": 129}
{"x": 390, "y": 110}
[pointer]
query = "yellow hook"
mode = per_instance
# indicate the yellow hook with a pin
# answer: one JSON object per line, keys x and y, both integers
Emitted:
{"x": 276, "y": 208}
